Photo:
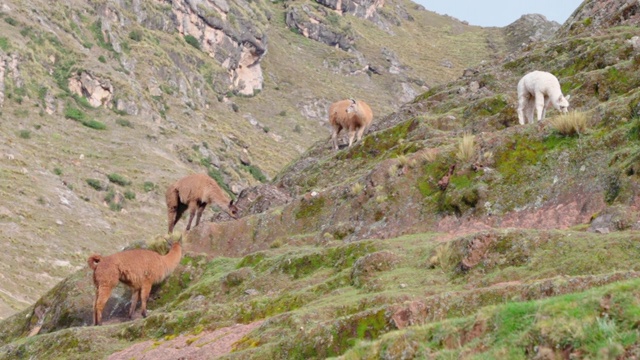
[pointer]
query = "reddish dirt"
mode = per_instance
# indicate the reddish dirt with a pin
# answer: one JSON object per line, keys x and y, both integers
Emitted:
{"x": 206, "y": 345}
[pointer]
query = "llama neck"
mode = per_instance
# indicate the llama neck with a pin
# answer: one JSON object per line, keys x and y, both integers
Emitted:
{"x": 172, "y": 258}
{"x": 217, "y": 196}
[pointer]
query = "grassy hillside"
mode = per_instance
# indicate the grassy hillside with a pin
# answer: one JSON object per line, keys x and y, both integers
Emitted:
{"x": 528, "y": 251}
{"x": 78, "y": 179}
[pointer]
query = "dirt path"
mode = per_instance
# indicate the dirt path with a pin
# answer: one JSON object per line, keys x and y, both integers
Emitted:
{"x": 206, "y": 345}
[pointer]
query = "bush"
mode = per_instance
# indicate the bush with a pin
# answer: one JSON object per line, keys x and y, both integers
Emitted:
{"x": 118, "y": 179}
{"x": 148, "y": 186}
{"x": 4, "y": 43}
{"x": 94, "y": 124}
{"x": 135, "y": 35}
{"x": 25, "y": 134}
{"x": 74, "y": 114}
{"x": 102, "y": 59}
{"x": 124, "y": 122}
{"x": 95, "y": 183}
{"x": 129, "y": 195}
{"x": 11, "y": 21}
{"x": 255, "y": 172}
{"x": 191, "y": 40}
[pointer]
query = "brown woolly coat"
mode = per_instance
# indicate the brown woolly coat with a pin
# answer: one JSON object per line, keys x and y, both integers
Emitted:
{"x": 193, "y": 193}
{"x": 353, "y": 115}
{"x": 139, "y": 269}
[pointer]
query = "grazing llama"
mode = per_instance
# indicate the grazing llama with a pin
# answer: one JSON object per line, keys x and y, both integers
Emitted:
{"x": 537, "y": 90}
{"x": 194, "y": 192}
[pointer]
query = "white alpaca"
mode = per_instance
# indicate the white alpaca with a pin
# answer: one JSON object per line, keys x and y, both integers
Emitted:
{"x": 539, "y": 89}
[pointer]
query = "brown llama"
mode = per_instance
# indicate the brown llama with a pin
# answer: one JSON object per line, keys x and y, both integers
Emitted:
{"x": 193, "y": 193}
{"x": 444, "y": 182}
{"x": 353, "y": 115}
{"x": 138, "y": 268}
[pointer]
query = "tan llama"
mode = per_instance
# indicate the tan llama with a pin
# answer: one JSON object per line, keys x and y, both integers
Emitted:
{"x": 194, "y": 192}
{"x": 139, "y": 269}
{"x": 353, "y": 115}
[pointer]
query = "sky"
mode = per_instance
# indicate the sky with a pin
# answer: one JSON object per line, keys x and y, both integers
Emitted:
{"x": 501, "y": 12}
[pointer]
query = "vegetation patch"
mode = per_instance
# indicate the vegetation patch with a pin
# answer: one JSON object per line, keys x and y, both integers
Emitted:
{"x": 310, "y": 208}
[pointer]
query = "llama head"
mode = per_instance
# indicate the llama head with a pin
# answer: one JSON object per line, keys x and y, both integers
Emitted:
{"x": 352, "y": 106}
{"x": 563, "y": 104}
{"x": 233, "y": 210}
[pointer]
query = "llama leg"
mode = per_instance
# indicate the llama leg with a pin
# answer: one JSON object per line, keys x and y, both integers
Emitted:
{"x": 192, "y": 213}
{"x": 546, "y": 106}
{"x": 540, "y": 106}
{"x": 144, "y": 296}
{"x": 172, "y": 219}
{"x": 199, "y": 213}
{"x": 360, "y": 133}
{"x": 102, "y": 295}
{"x": 352, "y": 135}
{"x": 135, "y": 294}
{"x": 334, "y": 137}
{"x": 528, "y": 111}
{"x": 522, "y": 103}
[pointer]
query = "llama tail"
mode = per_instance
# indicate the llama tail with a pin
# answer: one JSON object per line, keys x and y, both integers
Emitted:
{"x": 93, "y": 261}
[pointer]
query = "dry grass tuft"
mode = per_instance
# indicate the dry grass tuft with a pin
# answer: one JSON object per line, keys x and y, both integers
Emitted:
{"x": 356, "y": 188}
{"x": 574, "y": 122}
{"x": 442, "y": 256}
{"x": 428, "y": 155}
{"x": 466, "y": 148}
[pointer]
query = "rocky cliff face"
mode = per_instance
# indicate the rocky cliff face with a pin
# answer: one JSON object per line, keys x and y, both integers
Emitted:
{"x": 597, "y": 15}
{"x": 229, "y": 34}
{"x": 529, "y": 28}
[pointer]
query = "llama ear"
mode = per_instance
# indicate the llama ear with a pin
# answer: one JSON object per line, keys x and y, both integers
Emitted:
{"x": 353, "y": 101}
{"x": 568, "y": 97}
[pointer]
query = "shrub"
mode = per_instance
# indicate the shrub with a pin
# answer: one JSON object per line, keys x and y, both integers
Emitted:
{"x": 255, "y": 172}
{"x": 4, "y": 43}
{"x": 94, "y": 124}
{"x": 11, "y": 21}
{"x": 466, "y": 148}
{"x": 25, "y": 134}
{"x": 148, "y": 186}
{"x": 57, "y": 171}
{"x": 135, "y": 35}
{"x": 118, "y": 179}
{"x": 191, "y": 40}
{"x": 74, "y": 114}
{"x": 129, "y": 195}
{"x": 95, "y": 183}
{"x": 124, "y": 122}
{"x": 574, "y": 122}
{"x": 102, "y": 59}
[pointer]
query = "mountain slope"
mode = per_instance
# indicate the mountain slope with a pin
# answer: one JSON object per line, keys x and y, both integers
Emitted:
{"x": 106, "y": 103}
{"x": 529, "y": 251}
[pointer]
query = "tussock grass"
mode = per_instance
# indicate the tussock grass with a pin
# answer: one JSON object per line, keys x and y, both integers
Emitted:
{"x": 466, "y": 148}
{"x": 574, "y": 122}
{"x": 428, "y": 155}
{"x": 356, "y": 188}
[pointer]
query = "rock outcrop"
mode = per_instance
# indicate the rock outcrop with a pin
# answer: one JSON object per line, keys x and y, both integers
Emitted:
{"x": 228, "y": 36}
{"x": 596, "y": 15}
{"x": 529, "y": 28}
{"x": 98, "y": 92}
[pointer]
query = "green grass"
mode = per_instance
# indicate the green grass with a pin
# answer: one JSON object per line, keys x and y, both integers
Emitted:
{"x": 118, "y": 179}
